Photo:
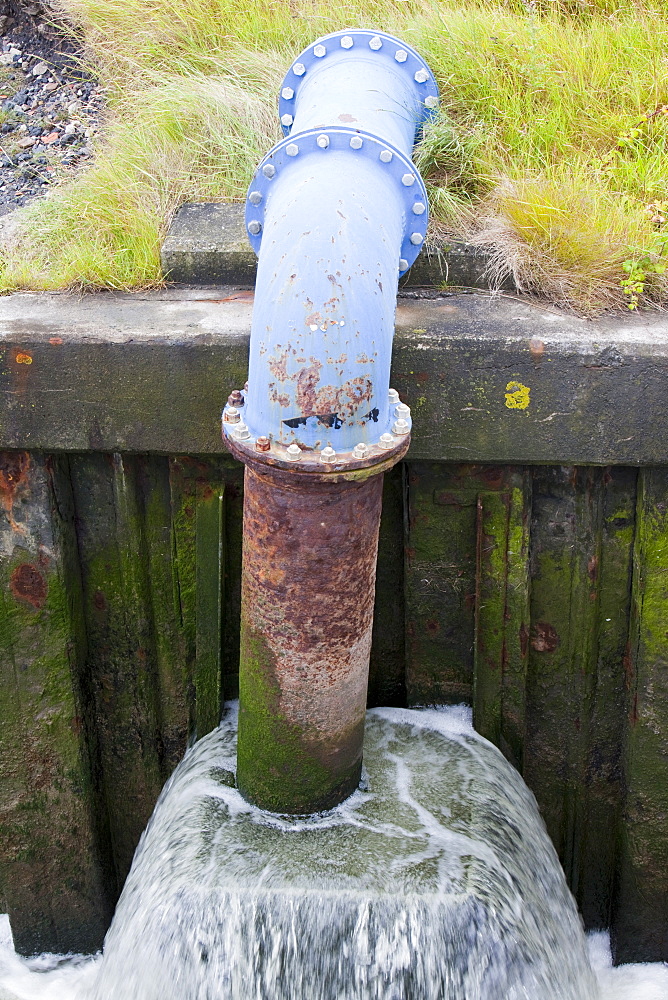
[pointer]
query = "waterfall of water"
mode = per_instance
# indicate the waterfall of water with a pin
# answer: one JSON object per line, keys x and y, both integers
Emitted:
{"x": 435, "y": 880}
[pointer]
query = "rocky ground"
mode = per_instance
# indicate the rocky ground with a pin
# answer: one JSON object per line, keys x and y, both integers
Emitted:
{"x": 50, "y": 108}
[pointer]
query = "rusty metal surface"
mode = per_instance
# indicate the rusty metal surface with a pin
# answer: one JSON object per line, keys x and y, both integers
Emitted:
{"x": 310, "y": 465}
{"x": 309, "y": 567}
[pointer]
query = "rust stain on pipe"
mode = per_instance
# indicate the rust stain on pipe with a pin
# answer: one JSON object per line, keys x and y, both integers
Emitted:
{"x": 309, "y": 569}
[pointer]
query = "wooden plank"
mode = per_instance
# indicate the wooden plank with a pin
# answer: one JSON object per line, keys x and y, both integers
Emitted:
{"x": 51, "y": 882}
{"x": 387, "y": 683}
{"x": 122, "y": 659}
{"x": 440, "y": 584}
{"x": 566, "y": 553}
{"x": 209, "y": 531}
{"x": 640, "y": 925}
{"x": 193, "y": 481}
{"x": 602, "y": 777}
{"x": 502, "y": 615}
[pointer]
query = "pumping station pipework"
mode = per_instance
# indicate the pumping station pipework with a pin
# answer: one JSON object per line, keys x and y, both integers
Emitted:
{"x": 336, "y": 213}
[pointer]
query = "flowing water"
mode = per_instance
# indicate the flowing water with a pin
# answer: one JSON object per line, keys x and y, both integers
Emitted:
{"x": 435, "y": 881}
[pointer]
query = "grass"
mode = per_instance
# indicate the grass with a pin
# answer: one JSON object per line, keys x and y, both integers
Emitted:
{"x": 549, "y": 151}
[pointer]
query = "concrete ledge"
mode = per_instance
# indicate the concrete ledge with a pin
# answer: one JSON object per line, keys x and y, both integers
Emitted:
{"x": 489, "y": 378}
{"x": 207, "y": 245}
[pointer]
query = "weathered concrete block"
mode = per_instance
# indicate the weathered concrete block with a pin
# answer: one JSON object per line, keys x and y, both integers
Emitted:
{"x": 207, "y": 245}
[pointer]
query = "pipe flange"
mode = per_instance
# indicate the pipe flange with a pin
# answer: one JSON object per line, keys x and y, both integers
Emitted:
{"x": 324, "y": 141}
{"x": 378, "y": 457}
{"x": 381, "y": 46}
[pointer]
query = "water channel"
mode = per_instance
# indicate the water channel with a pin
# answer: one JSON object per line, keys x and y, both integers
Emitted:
{"x": 435, "y": 879}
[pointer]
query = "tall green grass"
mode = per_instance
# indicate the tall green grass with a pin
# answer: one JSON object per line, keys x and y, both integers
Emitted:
{"x": 550, "y": 148}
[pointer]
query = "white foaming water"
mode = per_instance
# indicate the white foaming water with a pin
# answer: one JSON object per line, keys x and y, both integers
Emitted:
{"x": 437, "y": 882}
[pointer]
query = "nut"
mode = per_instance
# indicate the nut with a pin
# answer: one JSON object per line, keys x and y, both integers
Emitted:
{"x": 360, "y": 450}
{"x": 294, "y": 452}
{"x": 393, "y": 396}
{"x": 231, "y": 415}
{"x": 327, "y": 455}
{"x": 402, "y": 411}
{"x": 400, "y": 427}
{"x": 386, "y": 442}
{"x": 235, "y": 399}
{"x": 241, "y": 431}
{"x": 263, "y": 443}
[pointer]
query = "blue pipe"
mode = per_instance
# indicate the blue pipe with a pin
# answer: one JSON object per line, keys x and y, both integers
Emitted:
{"x": 336, "y": 213}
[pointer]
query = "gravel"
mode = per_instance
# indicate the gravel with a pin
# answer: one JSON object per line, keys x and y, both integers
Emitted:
{"x": 50, "y": 108}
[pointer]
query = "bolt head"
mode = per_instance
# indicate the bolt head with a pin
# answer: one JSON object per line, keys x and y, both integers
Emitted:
{"x": 299, "y": 69}
{"x": 403, "y": 264}
{"x": 231, "y": 415}
{"x": 287, "y": 93}
{"x": 402, "y": 412}
{"x": 347, "y": 42}
{"x": 393, "y": 396}
{"x": 375, "y": 43}
{"x": 292, "y": 149}
{"x": 286, "y": 120}
{"x": 421, "y": 76}
{"x": 401, "y": 55}
{"x": 255, "y": 197}
{"x": 431, "y": 101}
{"x": 416, "y": 239}
{"x": 386, "y": 156}
{"x": 269, "y": 170}
{"x": 319, "y": 51}
{"x": 419, "y": 208}
{"x": 408, "y": 179}
{"x": 323, "y": 141}
{"x": 386, "y": 442}
{"x": 356, "y": 142}
{"x": 294, "y": 452}
{"x": 327, "y": 455}
{"x": 263, "y": 443}
{"x": 254, "y": 227}
{"x": 400, "y": 427}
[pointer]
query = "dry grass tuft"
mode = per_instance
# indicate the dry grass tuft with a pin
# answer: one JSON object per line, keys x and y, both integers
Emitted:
{"x": 550, "y": 151}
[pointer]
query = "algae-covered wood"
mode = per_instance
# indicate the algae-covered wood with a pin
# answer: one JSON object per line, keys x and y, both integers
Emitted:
{"x": 537, "y": 594}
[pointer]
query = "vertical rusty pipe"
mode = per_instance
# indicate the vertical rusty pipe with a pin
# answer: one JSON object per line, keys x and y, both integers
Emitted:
{"x": 309, "y": 572}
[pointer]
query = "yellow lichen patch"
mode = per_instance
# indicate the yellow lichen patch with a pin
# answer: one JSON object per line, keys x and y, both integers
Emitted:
{"x": 517, "y": 396}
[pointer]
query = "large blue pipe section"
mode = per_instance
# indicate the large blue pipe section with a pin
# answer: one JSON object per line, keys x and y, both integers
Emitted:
{"x": 336, "y": 213}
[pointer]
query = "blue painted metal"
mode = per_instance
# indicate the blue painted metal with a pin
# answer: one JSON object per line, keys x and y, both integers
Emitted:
{"x": 336, "y": 212}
